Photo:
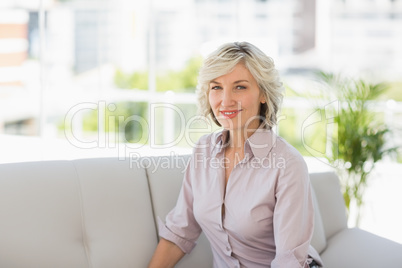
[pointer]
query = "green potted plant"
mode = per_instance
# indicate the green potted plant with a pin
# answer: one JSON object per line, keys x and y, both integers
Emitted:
{"x": 359, "y": 138}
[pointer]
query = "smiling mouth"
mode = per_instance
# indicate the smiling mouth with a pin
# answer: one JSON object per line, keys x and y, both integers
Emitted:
{"x": 230, "y": 114}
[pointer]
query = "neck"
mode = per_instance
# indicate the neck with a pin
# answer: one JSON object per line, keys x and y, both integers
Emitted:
{"x": 237, "y": 137}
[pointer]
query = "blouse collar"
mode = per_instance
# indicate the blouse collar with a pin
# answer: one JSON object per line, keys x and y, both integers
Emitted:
{"x": 259, "y": 144}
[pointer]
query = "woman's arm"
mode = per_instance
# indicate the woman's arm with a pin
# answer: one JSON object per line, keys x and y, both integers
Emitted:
{"x": 293, "y": 215}
{"x": 166, "y": 255}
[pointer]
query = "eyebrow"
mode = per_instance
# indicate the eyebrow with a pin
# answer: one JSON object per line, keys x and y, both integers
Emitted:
{"x": 240, "y": 81}
{"x": 236, "y": 82}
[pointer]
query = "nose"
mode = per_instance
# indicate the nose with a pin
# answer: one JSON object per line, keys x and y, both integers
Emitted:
{"x": 228, "y": 98}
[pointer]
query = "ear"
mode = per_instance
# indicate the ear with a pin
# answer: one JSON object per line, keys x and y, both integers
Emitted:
{"x": 262, "y": 98}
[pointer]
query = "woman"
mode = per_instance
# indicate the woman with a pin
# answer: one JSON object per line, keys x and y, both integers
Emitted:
{"x": 247, "y": 189}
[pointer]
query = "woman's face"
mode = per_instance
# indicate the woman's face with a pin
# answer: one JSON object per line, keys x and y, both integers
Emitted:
{"x": 235, "y": 99}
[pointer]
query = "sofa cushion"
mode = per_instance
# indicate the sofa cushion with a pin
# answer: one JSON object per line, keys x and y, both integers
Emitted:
{"x": 116, "y": 212}
{"x": 165, "y": 182}
{"x": 165, "y": 175}
{"x": 40, "y": 216}
{"x": 351, "y": 248}
{"x": 83, "y": 213}
{"x": 332, "y": 206}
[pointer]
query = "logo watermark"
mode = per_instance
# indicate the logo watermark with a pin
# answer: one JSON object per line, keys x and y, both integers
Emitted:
{"x": 319, "y": 123}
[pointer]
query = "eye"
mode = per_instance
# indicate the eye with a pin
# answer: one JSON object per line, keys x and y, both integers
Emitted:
{"x": 240, "y": 87}
{"x": 216, "y": 88}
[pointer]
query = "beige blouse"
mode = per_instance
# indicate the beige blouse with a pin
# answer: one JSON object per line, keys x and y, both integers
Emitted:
{"x": 268, "y": 210}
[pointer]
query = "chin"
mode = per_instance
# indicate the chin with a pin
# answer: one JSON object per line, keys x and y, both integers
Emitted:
{"x": 226, "y": 124}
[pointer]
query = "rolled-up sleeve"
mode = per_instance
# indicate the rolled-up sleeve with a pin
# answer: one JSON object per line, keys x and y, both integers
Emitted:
{"x": 293, "y": 215}
{"x": 181, "y": 227}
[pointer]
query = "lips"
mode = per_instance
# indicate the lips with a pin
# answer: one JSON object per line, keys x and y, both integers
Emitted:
{"x": 230, "y": 113}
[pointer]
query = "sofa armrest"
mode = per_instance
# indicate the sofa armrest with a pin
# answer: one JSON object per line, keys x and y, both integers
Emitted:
{"x": 351, "y": 248}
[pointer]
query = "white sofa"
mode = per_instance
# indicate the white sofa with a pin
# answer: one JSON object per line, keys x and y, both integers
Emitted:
{"x": 102, "y": 213}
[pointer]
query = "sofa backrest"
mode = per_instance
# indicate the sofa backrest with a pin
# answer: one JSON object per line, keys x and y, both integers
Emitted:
{"x": 83, "y": 213}
{"x": 319, "y": 240}
{"x": 330, "y": 202}
{"x": 40, "y": 216}
{"x": 117, "y": 212}
{"x": 165, "y": 183}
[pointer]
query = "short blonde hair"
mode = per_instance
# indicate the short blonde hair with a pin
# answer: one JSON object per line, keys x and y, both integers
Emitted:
{"x": 223, "y": 61}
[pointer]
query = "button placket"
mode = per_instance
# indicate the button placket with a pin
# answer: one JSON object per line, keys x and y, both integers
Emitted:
{"x": 228, "y": 246}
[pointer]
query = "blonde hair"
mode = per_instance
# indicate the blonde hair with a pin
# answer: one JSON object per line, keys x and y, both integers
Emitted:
{"x": 224, "y": 59}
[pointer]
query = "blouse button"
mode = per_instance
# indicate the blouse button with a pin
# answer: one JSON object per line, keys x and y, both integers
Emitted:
{"x": 228, "y": 248}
